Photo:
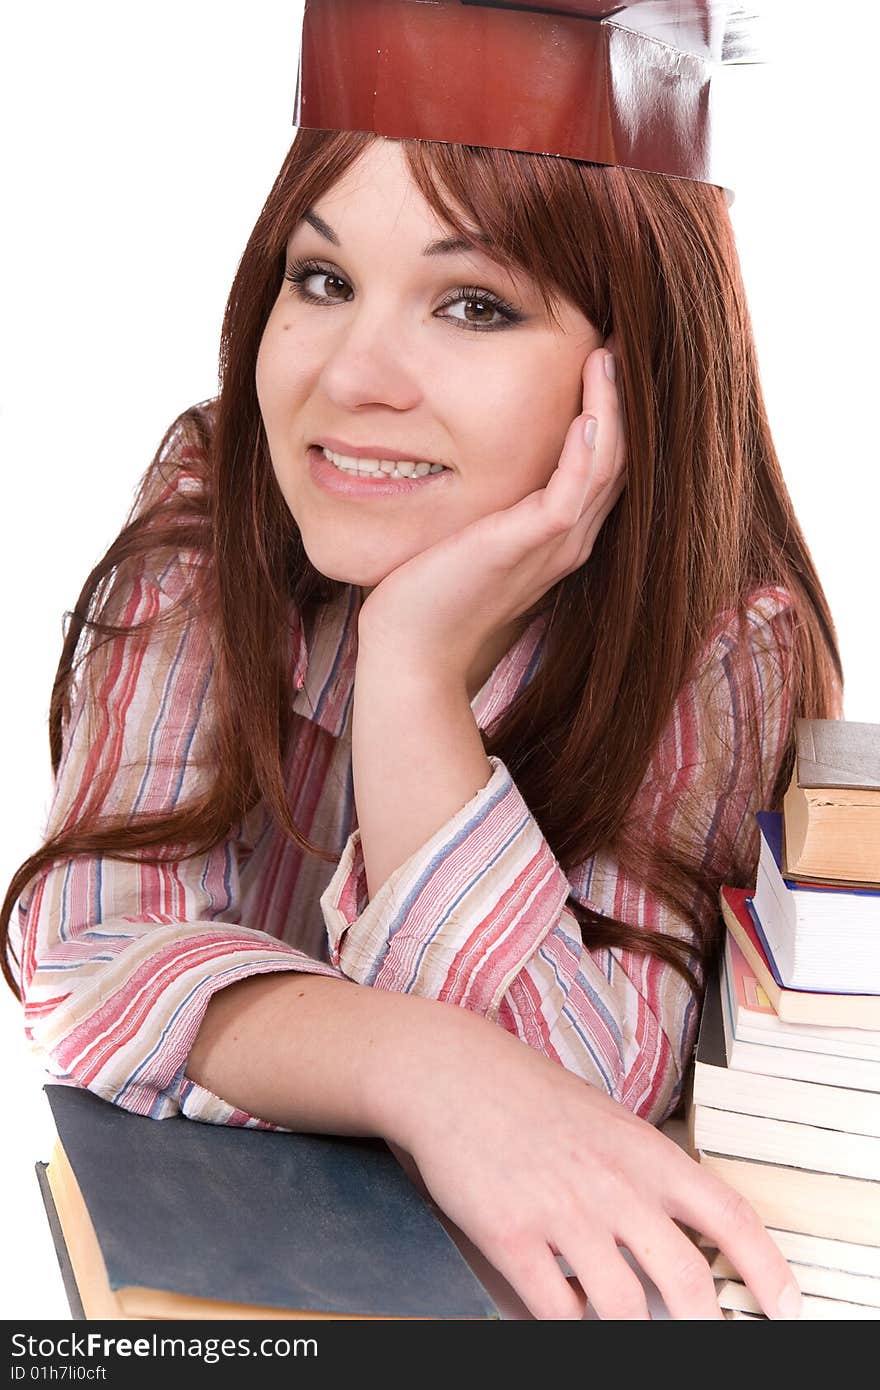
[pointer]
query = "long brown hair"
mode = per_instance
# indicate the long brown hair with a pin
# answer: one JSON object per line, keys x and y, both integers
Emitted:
{"x": 705, "y": 518}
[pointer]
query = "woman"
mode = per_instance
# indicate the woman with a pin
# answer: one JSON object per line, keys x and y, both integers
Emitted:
{"x": 490, "y": 737}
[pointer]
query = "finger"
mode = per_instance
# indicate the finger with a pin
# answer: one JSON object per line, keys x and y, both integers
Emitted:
{"x": 680, "y": 1272}
{"x": 584, "y": 479}
{"x": 611, "y": 454}
{"x": 587, "y": 470}
{"x": 611, "y": 345}
{"x": 707, "y": 1205}
{"x": 581, "y": 537}
{"x": 587, "y": 529}
{"x": 609, "y": 483}
{"x": 609, "y": 1283}
{"x": 553, "y": 509}
{"x": 536, "y": 1277}
{"x": 577, "y": 478}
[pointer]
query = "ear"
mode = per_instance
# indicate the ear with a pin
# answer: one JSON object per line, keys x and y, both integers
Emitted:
{"x": 610, "y": 343}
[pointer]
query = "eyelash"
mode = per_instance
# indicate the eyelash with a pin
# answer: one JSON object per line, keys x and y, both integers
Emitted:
{"x": 301, "y": 270}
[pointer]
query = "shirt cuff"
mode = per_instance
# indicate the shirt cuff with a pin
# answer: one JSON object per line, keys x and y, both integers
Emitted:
{"x": 198, "y": 1103}
{"x": 459, "y": 919}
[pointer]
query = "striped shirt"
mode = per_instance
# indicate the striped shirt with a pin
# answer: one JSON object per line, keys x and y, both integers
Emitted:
{"x": 117, "y": 961}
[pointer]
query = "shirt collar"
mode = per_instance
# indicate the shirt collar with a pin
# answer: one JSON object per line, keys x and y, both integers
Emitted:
{"x": 324, "y": 663}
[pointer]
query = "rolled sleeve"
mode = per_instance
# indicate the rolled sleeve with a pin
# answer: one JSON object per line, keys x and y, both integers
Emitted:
{"x": 459, "y": 919}
{"x": 117, "y": 959}
{"x": 478, "y": 916}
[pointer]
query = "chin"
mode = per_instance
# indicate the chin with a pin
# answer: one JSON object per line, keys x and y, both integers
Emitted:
{"x": 347, "y": 568}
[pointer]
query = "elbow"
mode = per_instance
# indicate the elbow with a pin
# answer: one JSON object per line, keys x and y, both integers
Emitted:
{"x": 652, "y": 1088}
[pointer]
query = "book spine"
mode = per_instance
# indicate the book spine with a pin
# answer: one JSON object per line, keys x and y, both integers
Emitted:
{"x": 818, "y": 1250}
{"x": 772, "y": 1059}
{"x": 815, "y": 1204}
{"x": 734, "y": 1295}
{"x": 782, "y": 1098}
{"x": 826, "y": 1283}
{"x": 781, "y": 1142}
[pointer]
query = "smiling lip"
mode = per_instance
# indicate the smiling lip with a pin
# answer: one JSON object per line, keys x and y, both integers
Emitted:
{"x": 363, "y": 451}
{"x": 333, "y": 480}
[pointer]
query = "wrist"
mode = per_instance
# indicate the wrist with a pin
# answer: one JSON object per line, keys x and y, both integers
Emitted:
{"x": 423, "y": 1041}
{"x": 400, "y": 670}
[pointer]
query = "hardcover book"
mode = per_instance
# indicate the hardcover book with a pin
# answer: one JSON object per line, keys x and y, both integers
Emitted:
{"x": 792, "y": 1005}
{"x": 831, "y": 809}
{"x": 838, "y": 754}
{"x": 177, "y": 1219}
{"x": 821, "y": 936}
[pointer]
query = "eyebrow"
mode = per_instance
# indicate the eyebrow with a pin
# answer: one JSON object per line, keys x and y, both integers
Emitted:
{"x": 444, "y": 247}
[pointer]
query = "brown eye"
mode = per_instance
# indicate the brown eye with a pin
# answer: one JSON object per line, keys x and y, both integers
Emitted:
{"x": 334, "y": 287}
{"x": 483, "y": 313}
{"x": 480, "y": 309}
{"x": 333, "y": 284}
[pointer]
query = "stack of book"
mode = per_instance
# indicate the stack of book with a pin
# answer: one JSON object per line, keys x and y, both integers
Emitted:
{"x": 785, "y": 1098}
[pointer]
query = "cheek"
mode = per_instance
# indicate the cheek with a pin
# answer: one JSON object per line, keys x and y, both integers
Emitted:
{"x": 516, "y": 432}
{"x": 551, "y": 413}
{"x": 513, "y": 412}
{"x": 283, "y": 367}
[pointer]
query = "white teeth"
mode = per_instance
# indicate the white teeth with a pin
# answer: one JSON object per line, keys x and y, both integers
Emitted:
{"x": 371, "y": 467}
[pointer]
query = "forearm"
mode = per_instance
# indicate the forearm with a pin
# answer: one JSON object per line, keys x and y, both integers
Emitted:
{"x": 417, "y": 758}
{"x": 322, "y": 1055}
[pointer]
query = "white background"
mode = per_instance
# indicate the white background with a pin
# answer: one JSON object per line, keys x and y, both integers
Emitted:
{"x": 138, "y": 146}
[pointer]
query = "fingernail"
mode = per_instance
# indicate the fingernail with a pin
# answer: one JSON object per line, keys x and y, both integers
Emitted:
{"x": 610, "y": 366}
{"x": 790, "y": 1303}
{"x": 590, "y": 429}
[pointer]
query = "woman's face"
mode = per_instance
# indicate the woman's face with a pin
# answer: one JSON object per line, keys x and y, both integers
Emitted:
{"x": 385, "y": 348}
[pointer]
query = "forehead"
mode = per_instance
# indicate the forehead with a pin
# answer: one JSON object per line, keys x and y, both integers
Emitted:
{"x": 378, "y": 186}
{"x": 377, "y": 200}
{"x": 376, "y": 208}
{"x": 380, "y": 171}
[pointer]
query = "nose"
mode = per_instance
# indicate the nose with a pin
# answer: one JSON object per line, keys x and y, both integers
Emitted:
{"x": 370, "y": 362}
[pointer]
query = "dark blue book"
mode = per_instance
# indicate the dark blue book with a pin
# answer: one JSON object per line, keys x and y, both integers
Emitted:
{"x": 67, "y": 1274}
{"x": 820, "y": 937}
{"x": 178, "y": 1219}
{"x": 756, "y": 923}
